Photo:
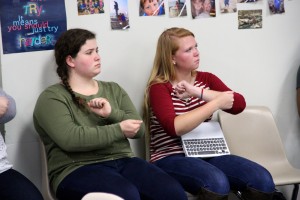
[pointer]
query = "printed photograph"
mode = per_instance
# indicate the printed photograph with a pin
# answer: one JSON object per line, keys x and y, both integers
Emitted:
{"x": 203, "y": 8}
{"x": 250, "y": 19}
{"x": 89, "y": 7}
{"x": 119, "y": 14}
{"x": 276, "y": 6}
{"x": 152, "y": 7}
{"x": 247, "y": 1}
{"x": 177, "y": 8}
{"x": 228, "y": 6}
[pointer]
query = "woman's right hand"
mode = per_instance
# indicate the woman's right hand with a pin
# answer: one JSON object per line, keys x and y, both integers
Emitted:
{"x": 130, "y": 127}
{"x": 184, "y": 90}
{"x": 100, "y": 106}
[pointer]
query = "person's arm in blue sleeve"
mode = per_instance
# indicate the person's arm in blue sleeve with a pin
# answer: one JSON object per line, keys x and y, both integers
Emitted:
{"x": 7, "y": 107}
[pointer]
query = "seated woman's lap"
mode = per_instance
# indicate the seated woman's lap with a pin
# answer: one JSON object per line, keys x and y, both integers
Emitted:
{"x": 194, "y": 173}
{"x": 218, "y": 174}
{"x": 243, "y": 173}
{"x": 129, "y": 178}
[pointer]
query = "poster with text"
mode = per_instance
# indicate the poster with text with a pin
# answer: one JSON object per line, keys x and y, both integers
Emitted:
{"x": 31, "y": 25}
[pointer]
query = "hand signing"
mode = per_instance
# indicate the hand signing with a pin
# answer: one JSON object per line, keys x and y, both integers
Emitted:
{"x": 130, "y": 127}
{"x": 100, "y": 106}
{"x": 183, "y": 90}
{"x": 3, "y": 105}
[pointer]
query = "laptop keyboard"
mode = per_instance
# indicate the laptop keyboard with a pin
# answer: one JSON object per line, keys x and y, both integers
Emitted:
{"x": 198, "y": 147}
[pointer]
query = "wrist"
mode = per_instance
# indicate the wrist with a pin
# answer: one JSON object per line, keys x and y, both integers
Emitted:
{"x": 201, "y": 94}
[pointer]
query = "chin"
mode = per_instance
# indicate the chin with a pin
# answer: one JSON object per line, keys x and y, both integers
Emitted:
{"x": 97, "y": 72}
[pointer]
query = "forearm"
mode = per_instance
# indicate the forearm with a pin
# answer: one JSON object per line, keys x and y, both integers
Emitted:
{"x": 125, "y": 110}
{"x": 71, "y": 129}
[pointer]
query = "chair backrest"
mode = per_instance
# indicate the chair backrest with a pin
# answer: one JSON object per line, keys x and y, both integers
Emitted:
{"x": 47, "y": 192}
{"x": 253, "y": 134}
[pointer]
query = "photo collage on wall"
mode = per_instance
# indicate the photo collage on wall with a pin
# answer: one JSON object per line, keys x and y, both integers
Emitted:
{"x": 119, "y": 18}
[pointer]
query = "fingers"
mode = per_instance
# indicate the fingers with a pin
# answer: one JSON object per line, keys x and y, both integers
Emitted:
{"x": 138, "y": 121}
{"x": 180, "y": 89}
{"x": 97, "y": 102}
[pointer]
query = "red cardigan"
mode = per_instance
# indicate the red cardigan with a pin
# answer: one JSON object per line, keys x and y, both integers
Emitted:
{"x": 165, "y": 106}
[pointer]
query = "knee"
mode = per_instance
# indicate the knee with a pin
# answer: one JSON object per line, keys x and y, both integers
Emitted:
{"x": 263, "y": 181}
{"x": 173, "y": 191}
{"x": 128, "y": 192}
{"x": 218, "y": 184}
{"x": 167, "y": 187}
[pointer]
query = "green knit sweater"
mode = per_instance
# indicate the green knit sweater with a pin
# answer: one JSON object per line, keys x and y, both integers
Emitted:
{"x": 73, "y": 137}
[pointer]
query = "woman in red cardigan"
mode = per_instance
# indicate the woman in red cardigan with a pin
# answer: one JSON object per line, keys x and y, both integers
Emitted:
{"x": 179, "y": 98}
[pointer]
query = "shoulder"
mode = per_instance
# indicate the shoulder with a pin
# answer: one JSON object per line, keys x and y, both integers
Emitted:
{"x": 55, "y": 91}
{"x": 160, "y": 88}
{"x": 166, "y": 85}
{"x": 56, "y": 88}
{"x": 207, "y": 78}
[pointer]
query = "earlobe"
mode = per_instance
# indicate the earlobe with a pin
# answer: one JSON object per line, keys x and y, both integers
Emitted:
{"x": 69, "y": 61}
{"x": 173, "y": 60}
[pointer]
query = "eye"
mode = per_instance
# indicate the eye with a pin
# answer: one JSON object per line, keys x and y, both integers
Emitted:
{"x": 89, "y": 52}
{"x": 189, "y": 49}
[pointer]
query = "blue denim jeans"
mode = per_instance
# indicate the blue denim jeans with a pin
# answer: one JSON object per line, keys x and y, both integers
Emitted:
{"x": 129, "y": 178}
{"x": 218, "y": 174}
{"x": 15, "y": 186}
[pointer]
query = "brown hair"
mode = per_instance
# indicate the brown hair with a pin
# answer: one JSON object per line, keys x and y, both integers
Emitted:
{"x": 69, "y": 44}
{"x": 163, "y": 69}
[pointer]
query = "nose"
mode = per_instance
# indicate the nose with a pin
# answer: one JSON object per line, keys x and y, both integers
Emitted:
{"x": 97, "y": 56}
{"x": 196, "y": 52}
{"x": 153, "y": 9}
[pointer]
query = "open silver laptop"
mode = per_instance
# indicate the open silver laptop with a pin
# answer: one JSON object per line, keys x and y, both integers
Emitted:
{"x": 206, "y": 140}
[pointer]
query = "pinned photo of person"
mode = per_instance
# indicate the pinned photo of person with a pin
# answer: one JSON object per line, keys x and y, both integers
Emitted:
{"x": 119, "y": 14}
{"x": 152, "y": 7}
{"x": 177, "y": 8}
{"x": 247, "y": 1}
{"x": 203, "y": 8}
{"x": 228, "y": 6}
{"x": 88, "y": 7}
{"x": 250, "y": 19}
{"x": 276, "y": 6}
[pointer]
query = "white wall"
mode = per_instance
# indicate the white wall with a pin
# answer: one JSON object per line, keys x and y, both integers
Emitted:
{"x": 261, "y": 64}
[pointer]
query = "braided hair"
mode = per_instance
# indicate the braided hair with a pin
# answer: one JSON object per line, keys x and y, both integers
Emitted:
{"x": 69, "y": 44}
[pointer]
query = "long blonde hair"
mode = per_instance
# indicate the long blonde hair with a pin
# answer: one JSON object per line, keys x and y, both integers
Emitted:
{"x": 163, "y": 69}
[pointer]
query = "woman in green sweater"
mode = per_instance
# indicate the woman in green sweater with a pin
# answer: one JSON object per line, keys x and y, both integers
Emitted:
{"x": 85, "y": 125}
